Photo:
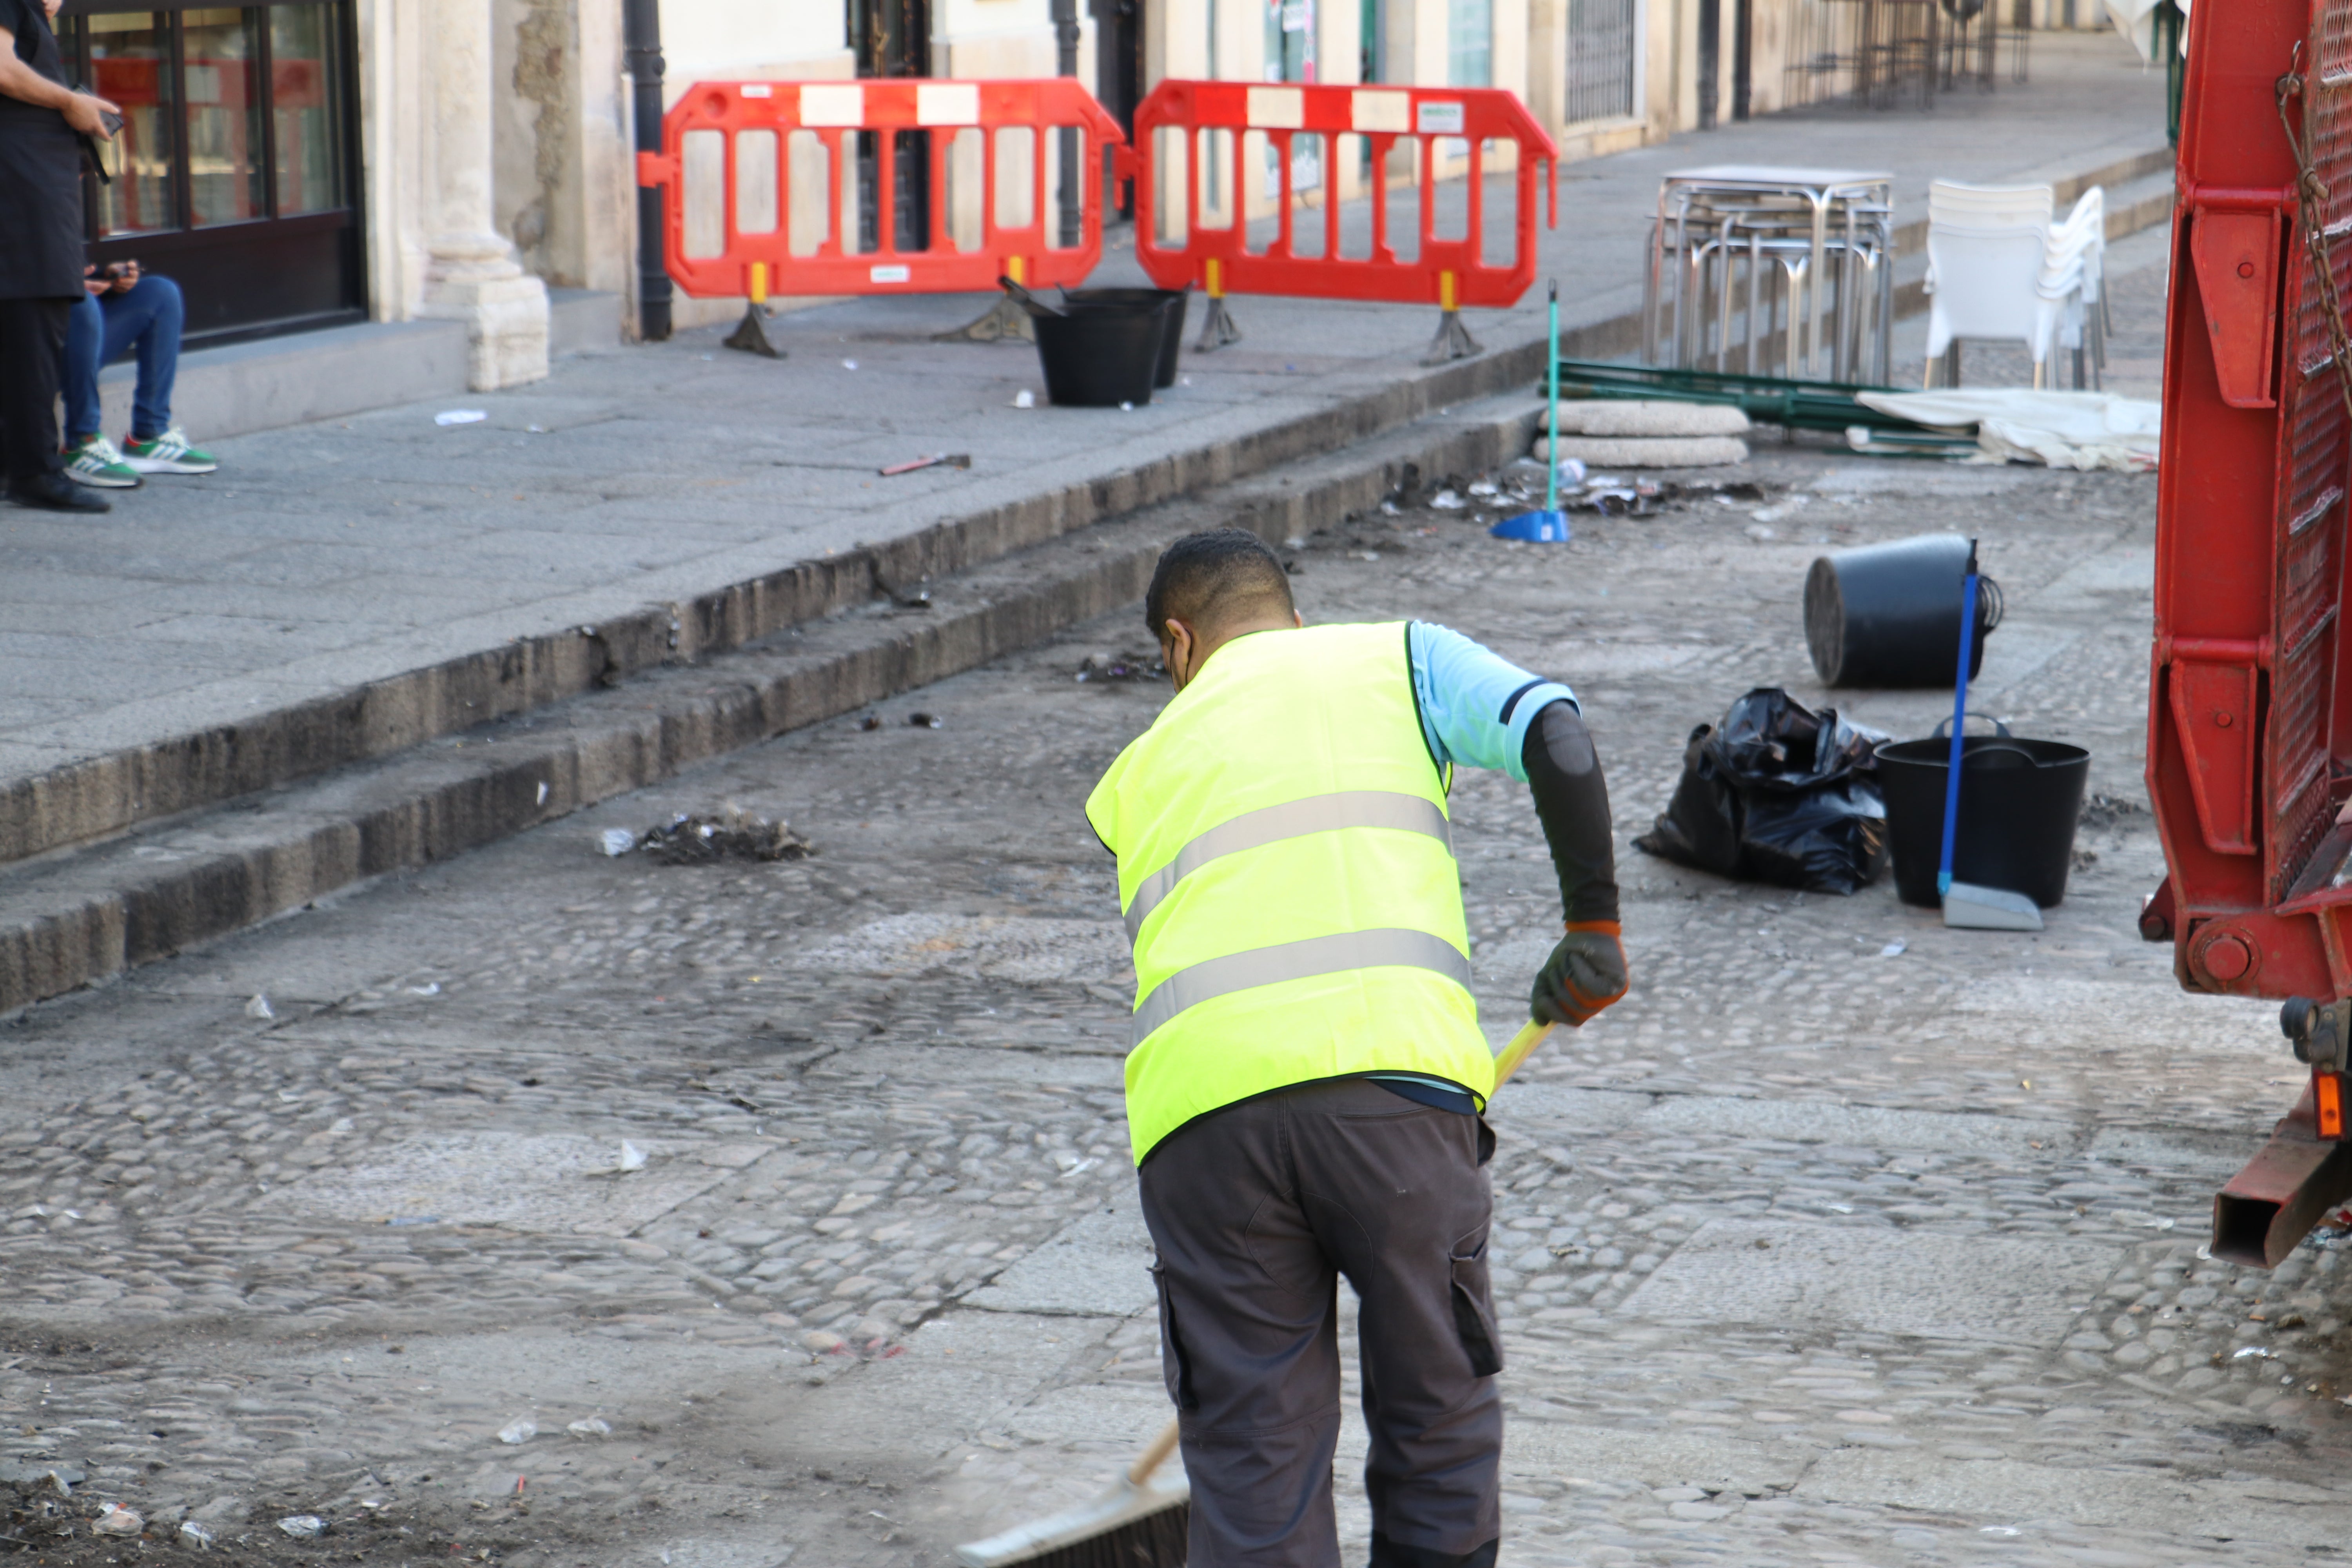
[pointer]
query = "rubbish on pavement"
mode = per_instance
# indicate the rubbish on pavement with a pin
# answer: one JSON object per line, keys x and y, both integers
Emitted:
{"x": 1777, "y": 793}
{"x": 1025, "y": 398}
{"x": 616, "y": 840}
{"x": 593, "y": 1426}
{"x": 2020, "y": 801}
{"x": 733, "y": 834}
{"x": 461, "y": 417}
{"x": 303, "y": 1526}
{"x": 1895, "y": 949}
{"x": 924, "y": 721}
{"x": 1448, "y": 500}
{"x": 1646, "y": 416}
{"x": 849, "y": 364}
{"x": 1646, "y": 451}
{"x": 414, "y": 1219}
{"x": 632, "y": 1157}
{"x": 2018, "y": 424}
{"x": 1546, "y": 524}
{"x": 870, "y": 722}
{"x": 1889, "y": 615}
{"x": 258, "y": 1007}
{"x": 196, "y": 1536}
{"x": 519, "y": 1431}
{"x": 937, "y": 460}
{"x": 1122, "y": 666}
{"x": 117, "y": 1520}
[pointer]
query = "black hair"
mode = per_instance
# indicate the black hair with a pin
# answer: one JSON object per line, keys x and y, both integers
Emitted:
{"x": 1205, "y": 579}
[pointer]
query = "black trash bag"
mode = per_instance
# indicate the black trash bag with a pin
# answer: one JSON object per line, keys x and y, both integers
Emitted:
{"x": 1778, "y": 793}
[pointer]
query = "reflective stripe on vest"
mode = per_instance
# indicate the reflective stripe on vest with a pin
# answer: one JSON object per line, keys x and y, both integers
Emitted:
{"x": 1292, "y": 820}
{"x": 1298, "y": 960}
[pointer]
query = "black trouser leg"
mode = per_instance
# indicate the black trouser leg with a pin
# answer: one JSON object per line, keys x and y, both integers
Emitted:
{"x": 1255, "y": 1211}
{"x": 32, "y": 336}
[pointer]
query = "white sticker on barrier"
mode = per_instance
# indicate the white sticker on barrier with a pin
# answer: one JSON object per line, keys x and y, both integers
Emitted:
{"x": 831, "y": 103}
{"x": 1443, "y": 119}
{"x": 889, "y": 274}
{"x": 1389, "y": 111}
{"x": 758, "y": 89}
{"x": 1277, "y": 108}
{"x": 946, "y": 103}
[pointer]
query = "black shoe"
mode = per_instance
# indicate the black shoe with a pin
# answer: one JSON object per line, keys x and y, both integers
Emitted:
{"x": 55, "y": 492}
{"x": 1387, "y": 1553}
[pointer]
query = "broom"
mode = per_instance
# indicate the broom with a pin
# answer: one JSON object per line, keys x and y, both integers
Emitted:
{"x": 1138, "y": 1524}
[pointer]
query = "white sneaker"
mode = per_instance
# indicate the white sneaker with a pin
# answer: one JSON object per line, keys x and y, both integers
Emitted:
{"x": 169, "y": 453}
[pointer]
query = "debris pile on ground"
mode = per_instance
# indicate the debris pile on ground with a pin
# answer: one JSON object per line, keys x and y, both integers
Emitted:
{"x": 1122, "y": 666}
{"x": 733, "y": 834}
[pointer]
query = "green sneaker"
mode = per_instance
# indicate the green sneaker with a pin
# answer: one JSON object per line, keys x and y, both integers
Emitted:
{"x": 93, "y": 461}
{"x": 168, "y": 454}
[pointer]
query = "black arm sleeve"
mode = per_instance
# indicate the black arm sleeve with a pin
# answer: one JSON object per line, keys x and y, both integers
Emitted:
{"x": 1572, "y": 801}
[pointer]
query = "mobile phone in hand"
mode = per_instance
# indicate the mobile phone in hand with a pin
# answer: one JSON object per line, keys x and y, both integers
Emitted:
{"x": 112, "y": 121}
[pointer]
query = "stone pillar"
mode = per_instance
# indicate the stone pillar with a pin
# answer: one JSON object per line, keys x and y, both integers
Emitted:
{"x": 471, "y": 272}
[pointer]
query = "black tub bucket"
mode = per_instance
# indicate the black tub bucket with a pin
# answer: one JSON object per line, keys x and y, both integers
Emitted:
{"x": 1889, "y": 616}
{"x": 1171, "y": 302}
{"x": 2019, "y": 804}
{"x": 1100, "y": 356}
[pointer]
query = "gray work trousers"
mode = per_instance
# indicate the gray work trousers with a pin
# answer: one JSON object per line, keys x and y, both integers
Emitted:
{"x": 1255, "y": 1211}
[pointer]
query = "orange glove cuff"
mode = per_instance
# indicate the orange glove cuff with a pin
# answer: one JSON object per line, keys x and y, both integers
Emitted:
{"x": 1607, "y": 928}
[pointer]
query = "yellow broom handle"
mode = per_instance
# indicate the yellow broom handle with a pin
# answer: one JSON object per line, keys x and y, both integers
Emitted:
{"x": 1152, "y": 1457}
{"x": 1523, "y": 1045}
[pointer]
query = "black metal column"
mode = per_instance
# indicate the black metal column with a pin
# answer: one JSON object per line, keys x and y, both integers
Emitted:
{"x": 642, "y": 48}
{"x": 1710, "y": 60}
{"x": 1065, "y": 63}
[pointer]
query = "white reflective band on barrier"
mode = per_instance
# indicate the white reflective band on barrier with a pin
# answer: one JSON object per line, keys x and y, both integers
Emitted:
{"x": 831, "y": 103}
{"x": 1291, "y": 819}
{"x": 1277, "y": 108}
{"x": 1371, "y": 110}
{"x": 1388, "y": 948}
{"x": 946, "y": 103}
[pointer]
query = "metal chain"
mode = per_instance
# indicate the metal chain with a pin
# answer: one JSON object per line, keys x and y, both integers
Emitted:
{"x": 2311, "y": 201}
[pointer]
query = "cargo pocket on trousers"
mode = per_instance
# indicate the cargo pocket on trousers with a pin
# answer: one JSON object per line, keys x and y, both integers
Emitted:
{"x": 1173, "y": 1364}
{"x": 1474, "y": 1309}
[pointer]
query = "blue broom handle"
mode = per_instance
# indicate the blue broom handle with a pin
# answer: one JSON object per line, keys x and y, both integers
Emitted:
{"x": 1959, "y": 722}
{"x": 1551, "y": 442}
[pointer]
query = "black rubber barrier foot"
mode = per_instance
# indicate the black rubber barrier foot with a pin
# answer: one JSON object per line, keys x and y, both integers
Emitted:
{"x": 751, "y": 336}
{"x": 1001, "y": 320}
{"x": 1217, "y": 327}
{"x": 1452, "y": 341}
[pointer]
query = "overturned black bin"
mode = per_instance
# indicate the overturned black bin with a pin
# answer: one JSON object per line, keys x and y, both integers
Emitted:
{"x": 2020, "y": 800}
{"x": 1889, "y": 616}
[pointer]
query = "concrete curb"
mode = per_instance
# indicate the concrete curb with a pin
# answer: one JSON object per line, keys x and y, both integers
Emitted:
{"x": 92, "y": 798}
{"x": 76, "y": 918}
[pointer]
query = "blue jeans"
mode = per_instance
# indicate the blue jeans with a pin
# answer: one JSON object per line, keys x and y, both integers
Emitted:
{"x": 103, "y": 328}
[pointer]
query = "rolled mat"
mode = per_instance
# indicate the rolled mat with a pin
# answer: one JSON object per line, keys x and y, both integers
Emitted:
{"x": 1645, "y": 451}
{"x": 1646, "y": 417}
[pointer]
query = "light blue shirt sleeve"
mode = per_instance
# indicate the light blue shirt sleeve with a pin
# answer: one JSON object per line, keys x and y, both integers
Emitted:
{"x": 1476, "y": 706}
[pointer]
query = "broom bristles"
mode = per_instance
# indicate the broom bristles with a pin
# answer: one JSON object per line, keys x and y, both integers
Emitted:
{"x": 1126, "y": 1527}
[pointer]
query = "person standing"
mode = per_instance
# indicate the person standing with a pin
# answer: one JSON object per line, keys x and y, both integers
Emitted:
{"x": 120, "y": 312}
{"x": 1307, "y": 1078}
{"x": 44, "y": 126}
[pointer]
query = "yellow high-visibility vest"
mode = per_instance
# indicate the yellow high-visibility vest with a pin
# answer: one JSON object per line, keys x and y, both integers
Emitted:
{"x": 1287, "y": 869}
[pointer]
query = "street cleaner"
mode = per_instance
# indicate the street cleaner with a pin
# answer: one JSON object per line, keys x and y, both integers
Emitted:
{"x": 1307, "y": 1075}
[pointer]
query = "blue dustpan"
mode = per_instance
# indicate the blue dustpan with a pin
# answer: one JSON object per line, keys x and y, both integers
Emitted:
{"x": 1549, "y": 526}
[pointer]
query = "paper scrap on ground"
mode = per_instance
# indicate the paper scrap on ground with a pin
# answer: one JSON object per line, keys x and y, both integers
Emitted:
{"x": 2060, "y": 429}
{"x": 461, "y": 417}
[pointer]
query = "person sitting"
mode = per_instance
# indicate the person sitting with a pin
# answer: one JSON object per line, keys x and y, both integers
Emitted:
{"x": 121, "y": 310}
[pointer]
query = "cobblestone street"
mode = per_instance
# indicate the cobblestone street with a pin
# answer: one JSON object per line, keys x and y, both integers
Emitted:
{"x": 553, "y": 1208}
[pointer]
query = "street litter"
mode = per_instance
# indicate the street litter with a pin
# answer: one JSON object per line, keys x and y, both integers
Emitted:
{"x": 117, "y": 1520}
{"x": 616, "y": 840}
{"x": 1777, "y": 793}
{"x": 2259, "y": 1352}
{"x": 1025, "y": 398}
{"x": 1447, "y": 501}
{"x": 2018, "y": 424}
{"x": 414, "y": 1219}
{"x": 1894, "y": 949}
{"x": 593, "y": 1426}
{"x": 632, "y": 1157}
{"x": 303, "y": 1526}
{"x": 461, "y": 417}
{"x": 733, "y": 834}
{"x": 258, "y": 1007}
{"x": 924, "y": 721}
{"x": 518, "y": 1431}
{"x": 1122, "y": 666}
{"x": 193, "y": 1534}
{"x": 937, "y": 460}
{"x": 430, "y": 988}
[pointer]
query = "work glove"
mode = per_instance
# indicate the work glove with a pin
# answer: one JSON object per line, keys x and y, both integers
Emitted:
{"x": 1585, "y": 973}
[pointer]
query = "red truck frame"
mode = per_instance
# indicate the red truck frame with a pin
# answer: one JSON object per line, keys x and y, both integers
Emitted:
{"x": 2249, "y": 694}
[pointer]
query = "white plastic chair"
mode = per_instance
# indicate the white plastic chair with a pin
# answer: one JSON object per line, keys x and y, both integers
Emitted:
{"x": 1999, "y": 268}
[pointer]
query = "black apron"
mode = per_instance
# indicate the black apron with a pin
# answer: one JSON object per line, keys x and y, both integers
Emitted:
{"x": 40, "y": 175}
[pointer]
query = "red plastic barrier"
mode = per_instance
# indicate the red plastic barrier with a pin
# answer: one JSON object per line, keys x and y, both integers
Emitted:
{"x": 1295, "y": 117}
{"x": 750, "y": 188}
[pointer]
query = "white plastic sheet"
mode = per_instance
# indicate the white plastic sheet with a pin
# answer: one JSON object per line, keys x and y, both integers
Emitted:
{"x": 2060, "y": 429}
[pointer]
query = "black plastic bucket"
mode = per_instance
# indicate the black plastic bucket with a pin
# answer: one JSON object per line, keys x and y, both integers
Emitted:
{"x": 1100, "y": 356}
{"x": 1889, "y": 615}
{"x": 2019, "y": 804}
{"x": 1171, "y": 302}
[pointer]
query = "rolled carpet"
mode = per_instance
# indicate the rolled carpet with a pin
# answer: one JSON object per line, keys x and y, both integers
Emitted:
{"x": 1645, "y": 451}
